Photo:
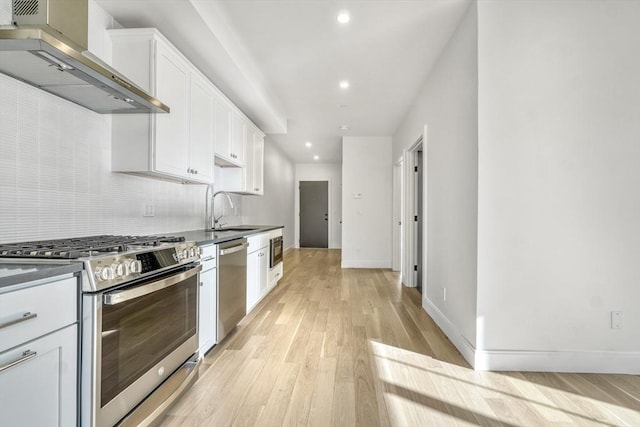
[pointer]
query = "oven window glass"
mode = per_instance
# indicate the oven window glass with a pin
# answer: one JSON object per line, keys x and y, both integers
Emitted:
{"x": 138, "y": 333}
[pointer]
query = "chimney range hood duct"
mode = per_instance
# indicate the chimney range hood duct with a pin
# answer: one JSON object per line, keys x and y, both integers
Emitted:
{"x": 46, "y": 46}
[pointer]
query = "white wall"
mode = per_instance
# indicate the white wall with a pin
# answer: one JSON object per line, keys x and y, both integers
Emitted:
{"x": 559, "y": 173}
{"x": 275, "y": 207}
{"x": 55, "y": 178}
{"x": 322, "y": 172}
{"x": 447, "y": 104}
{"x": 366, "y": 227}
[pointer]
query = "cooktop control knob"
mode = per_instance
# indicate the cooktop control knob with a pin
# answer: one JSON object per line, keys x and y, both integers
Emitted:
{"x": 135, "y": 266}
{"x": 120, "y": 269}
{"x": 105, "y": 273}
{"x": 185, "y": 253}
{"x": 193, "y": 252}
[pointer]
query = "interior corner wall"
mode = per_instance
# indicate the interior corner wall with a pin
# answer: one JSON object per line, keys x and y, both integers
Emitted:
{"x": 447, "y": 105}
{"x": 331, "y": 172}
{"x": 276, "y": 205}
{"x": 366, "y": 202}
{"x": 559, "y": 206}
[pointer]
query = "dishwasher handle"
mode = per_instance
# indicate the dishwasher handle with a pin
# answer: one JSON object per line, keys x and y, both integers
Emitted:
{"x": 233, "y": 249}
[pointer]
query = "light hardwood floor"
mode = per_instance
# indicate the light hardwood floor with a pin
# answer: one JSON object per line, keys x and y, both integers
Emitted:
{"x": 333, "y": 347}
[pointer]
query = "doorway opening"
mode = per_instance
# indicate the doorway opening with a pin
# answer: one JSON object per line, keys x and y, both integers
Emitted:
{"x": 314, "y": 214}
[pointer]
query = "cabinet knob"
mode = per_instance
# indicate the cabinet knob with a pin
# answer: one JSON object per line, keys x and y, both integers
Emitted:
{"x": 195, "y": 171}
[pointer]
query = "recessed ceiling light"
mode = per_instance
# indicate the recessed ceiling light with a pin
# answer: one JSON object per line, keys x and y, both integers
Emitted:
{"x": 308, "y": 144}
{"x": 343, "y": 17}
{"x": 316, "y": 157}
{"x": 344, "y": 84}
{"x": 343, "y": 127}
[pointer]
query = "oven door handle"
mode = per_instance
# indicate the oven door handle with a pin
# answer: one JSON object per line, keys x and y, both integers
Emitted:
{"x": 117, "y": 297}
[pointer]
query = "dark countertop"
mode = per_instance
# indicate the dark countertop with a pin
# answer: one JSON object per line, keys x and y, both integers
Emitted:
{"x": 206, "y": 237}
{"x": 14, "y": 272}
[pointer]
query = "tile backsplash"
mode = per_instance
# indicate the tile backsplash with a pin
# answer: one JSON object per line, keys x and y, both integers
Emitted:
{"x": 56, "y": 182}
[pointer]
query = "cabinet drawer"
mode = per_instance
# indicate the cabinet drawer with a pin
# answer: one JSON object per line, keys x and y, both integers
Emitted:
{"x": 275, "y": 274}
{"x": 257, "y": 241}
{"x": 208, "y": 257}
{"x": 28, "y": 313}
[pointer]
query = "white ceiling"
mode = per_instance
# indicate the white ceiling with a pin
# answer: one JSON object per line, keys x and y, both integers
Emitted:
{"x": 281, "y": 61}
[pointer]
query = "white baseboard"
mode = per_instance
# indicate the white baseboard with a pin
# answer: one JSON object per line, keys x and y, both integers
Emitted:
{"x": 592, "y": 362}
{"x": 451, "y": 331}
{"x": 601, "y": 362}
{"x": 365, "y": 264}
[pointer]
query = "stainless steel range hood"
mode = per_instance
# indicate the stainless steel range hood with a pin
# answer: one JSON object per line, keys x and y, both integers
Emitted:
{"x": 46, "y": 46}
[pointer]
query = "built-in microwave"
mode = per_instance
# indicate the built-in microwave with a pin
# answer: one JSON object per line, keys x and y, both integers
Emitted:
{"x": 276, "y": 251}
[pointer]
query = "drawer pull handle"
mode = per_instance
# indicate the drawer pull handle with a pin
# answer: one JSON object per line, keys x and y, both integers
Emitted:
{"x": 26, "y": 355}
{"x": 26, "y": 316}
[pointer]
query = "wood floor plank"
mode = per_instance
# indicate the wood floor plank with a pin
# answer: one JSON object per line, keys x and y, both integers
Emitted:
{"x": 353, "y": 347}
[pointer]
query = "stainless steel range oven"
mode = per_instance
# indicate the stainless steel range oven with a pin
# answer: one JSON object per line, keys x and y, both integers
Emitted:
{"x": 139, "y": 335}
{"x": 139, "y": 322}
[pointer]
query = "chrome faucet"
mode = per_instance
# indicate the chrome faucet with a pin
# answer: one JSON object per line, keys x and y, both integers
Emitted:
{"x": 212, "y": 220}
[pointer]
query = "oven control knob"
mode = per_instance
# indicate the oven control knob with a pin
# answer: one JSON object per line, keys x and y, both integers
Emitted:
{"x": 193, "y": 252}
{"x": 185, "y": 254}
{"x": 120, "y": 269}
{"x": 105, "y": 273}
{"x": 135, "y": 266}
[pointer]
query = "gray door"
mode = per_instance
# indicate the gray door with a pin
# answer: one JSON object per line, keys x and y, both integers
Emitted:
{"x": 314, "y": 214}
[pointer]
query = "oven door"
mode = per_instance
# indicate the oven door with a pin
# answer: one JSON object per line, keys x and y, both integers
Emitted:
{"x": 276, "y": 251}
{"x": 141, "y": 335}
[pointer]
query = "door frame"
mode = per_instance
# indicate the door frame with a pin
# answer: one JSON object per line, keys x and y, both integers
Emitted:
{"x": 398, "y": 216}
{"x": 409, "y": 227}
{"x": 329, "y": 212}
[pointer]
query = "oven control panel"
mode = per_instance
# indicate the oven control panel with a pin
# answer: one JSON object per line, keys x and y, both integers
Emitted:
{"x": 111, "y": 270}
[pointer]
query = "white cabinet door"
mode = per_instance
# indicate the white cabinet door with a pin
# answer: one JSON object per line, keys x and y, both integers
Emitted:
{"x": 238, "y": 137}
{"x": 253, "y": 279}
{"x": 207, "y": 315}
{"x": 223, "y": 130}
{"x": 171, "y": 153}
{"x": 249, "y": 170}
{"x": 263, "y": 270}
{"x": 202, "y": 130}
{"x": 257, "y": 186}
{"x": 40, "y": 390}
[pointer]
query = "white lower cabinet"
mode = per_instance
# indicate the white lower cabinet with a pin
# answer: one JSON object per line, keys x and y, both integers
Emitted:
{"x": 40, "y": 388}
{"x": 257, "y": 269}
{"x": 207, "y": 316}
{"x": 39, "y": 354}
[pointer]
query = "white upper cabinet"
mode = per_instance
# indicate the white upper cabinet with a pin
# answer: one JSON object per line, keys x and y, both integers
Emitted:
{"x": 250, "y": 178}
{"x": 230, "y": 134}
{"x": 179, "y": 145}
{"x": 253, "y": 171}
{"x": 202, "y": 128}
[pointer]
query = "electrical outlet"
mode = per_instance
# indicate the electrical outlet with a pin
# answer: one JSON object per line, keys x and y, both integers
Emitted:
{"x": 616, "y": 320}
{"x": 149, "y": 210}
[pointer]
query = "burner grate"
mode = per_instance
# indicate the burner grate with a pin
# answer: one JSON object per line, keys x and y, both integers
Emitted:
{"x": 79, "y": 247}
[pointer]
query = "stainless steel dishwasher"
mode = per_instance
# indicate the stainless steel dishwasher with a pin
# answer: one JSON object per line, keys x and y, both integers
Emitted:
{"x": 232, "y": 285}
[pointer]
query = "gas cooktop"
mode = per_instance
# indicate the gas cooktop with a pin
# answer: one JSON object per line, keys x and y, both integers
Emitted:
{"x": 83, "y": 247}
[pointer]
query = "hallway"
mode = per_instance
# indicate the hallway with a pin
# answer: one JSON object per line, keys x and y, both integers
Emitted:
{"x": 334, "y": 347}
